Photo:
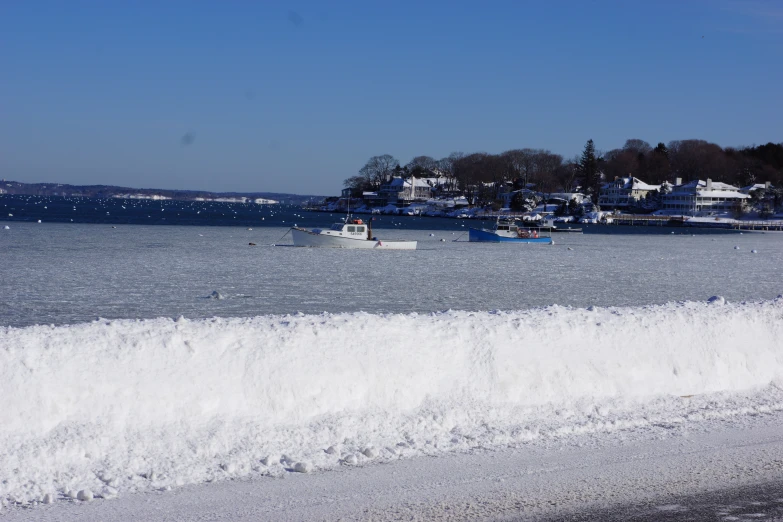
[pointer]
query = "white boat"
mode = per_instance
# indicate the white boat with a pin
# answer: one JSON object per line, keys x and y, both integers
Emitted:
{"x": 507, "y": 231}
{"x": 353, "y": 233}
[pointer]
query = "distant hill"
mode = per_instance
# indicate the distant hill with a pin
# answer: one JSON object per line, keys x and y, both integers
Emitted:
{"x": 110, "y": 191}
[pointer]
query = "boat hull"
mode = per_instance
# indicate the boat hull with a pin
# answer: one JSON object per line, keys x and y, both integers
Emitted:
{"x": 306, "y": 238}
{"x": 488, "y": 236}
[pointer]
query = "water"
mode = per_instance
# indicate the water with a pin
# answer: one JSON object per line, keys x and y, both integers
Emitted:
{"x": 68, "y": 273}
{"x": 114, "y": 211}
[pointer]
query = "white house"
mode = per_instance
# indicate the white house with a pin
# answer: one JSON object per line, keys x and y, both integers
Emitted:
{"x": 624, "y": 192}
{"x": 406, "y": 190}
{"x": 703, "y": 198}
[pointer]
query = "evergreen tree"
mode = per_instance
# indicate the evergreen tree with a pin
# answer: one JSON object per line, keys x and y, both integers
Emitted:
{"x": 588, "y": 169}
{"x": 661, "y": 149}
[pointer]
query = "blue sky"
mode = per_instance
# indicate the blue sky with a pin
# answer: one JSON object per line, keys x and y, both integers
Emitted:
{"x": 295, "y": 97}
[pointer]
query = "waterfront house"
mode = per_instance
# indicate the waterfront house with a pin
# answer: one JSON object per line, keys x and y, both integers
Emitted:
{"x": 402, "y": 191}
{"x": 699, "y": 198}
{"x": 623, "y": 193}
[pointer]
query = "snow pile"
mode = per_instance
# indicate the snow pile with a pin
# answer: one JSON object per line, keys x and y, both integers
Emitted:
{"x": 114, "y": 406}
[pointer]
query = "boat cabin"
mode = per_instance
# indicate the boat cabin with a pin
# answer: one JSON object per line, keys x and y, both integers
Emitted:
{"x": 506, "y": 224}
{"x": 508, "y": 228}
{"x": 354, "y": 228}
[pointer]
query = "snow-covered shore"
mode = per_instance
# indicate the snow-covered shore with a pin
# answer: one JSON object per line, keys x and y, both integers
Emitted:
{"x": 662, "y": 471}
{"x": 112, "y": 407}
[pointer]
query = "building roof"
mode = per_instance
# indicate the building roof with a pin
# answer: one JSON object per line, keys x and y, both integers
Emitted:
{"x": 757, "y": 186}
{"x": 721, "y": 194}
{"x": 630, "y": 183}
{"x": 698, "y": 184}
{"x": 398, "y": 182}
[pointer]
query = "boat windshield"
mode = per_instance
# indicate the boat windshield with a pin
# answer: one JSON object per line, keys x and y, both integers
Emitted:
{"x": 337, "y": 226}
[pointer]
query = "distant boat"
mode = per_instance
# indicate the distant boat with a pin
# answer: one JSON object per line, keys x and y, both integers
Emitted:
{"x": 568, "y": 229}
{"x": 550, "y": 224}
{"x": 352, "y": 233}
{"x": 507, "y": 231}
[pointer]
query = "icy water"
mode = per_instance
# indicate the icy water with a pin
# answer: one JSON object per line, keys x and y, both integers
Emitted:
{"x": 65, "y": 273}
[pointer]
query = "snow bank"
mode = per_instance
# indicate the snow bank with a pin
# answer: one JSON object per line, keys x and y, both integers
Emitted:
{"x": 114, "y": 406}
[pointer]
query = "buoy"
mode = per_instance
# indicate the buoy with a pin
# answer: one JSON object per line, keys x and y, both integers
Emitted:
{"x": 39, "y": 220}
{"x": 754, "y": 251}
{"x": 736, "y": 247}
{"x": 432, "y": 235}
{"x": 6, "y": 227}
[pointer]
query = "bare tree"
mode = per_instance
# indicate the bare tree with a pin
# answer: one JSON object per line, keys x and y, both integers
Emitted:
{"x": 567, "y": 175}
{"x": 638, "y": 146}
{"x": 378, "y": 169}
{"x": 620, "y": 163}
{"x": 699, "y": 159}
{"x": 547, "y": 166}
{"x": 422, "y": 163}
{"x": 522, "y": 163}
{"x": 446, "y": 168}
{"x": 479, "y": 174}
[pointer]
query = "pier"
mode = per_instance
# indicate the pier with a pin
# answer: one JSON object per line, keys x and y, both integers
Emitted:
{"x": 775, "y": 226}
{"x": 645, "y": 220}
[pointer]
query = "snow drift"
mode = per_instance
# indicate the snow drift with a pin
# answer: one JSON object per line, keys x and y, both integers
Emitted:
{"x": 129, "y": 405}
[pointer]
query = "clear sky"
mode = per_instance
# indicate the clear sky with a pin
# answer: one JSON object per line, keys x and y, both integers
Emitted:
{"x": 295, "y": 97}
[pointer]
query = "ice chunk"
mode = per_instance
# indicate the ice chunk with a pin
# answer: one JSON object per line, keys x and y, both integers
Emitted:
{"x": 303, "y": 467}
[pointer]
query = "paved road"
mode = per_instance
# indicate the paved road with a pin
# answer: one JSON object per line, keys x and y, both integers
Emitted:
{"x": 748, "y": 503}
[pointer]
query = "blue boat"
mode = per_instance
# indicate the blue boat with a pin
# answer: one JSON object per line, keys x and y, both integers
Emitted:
{"x": 507, "y": 231}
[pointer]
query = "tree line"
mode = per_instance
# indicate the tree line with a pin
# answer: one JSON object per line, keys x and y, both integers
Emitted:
{"x": 476, "y": 175}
